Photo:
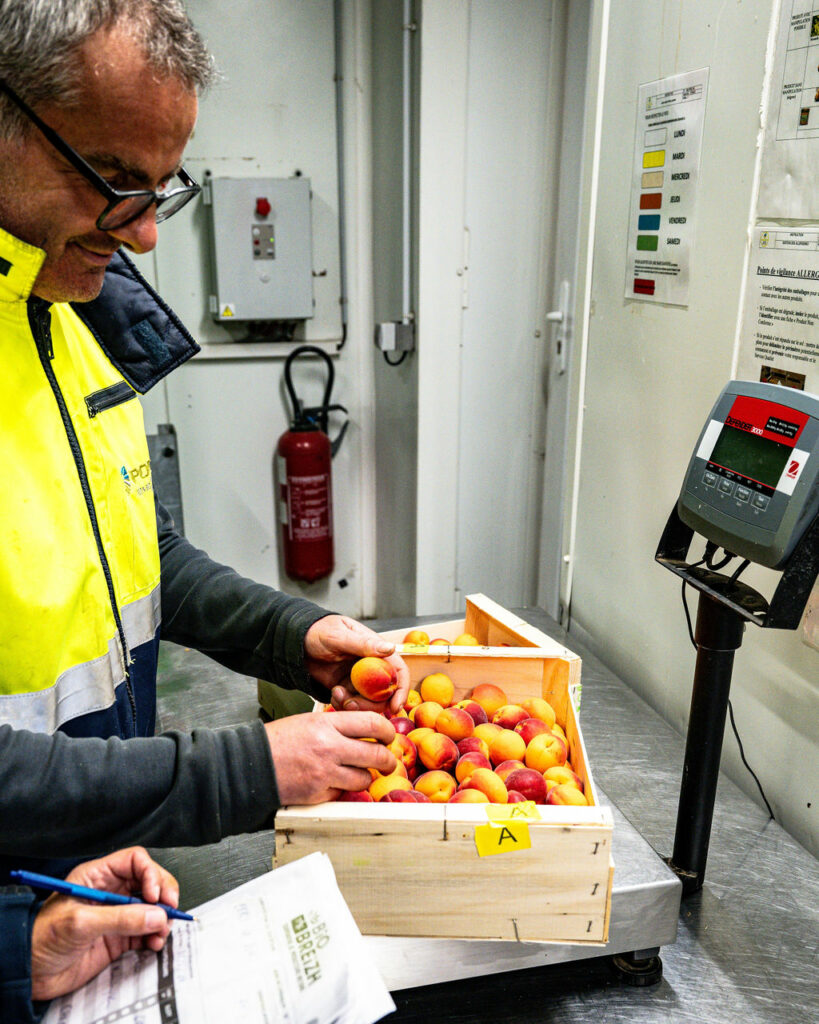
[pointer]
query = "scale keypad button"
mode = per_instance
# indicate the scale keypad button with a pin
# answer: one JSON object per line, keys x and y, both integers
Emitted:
{"x": 742, "y": 493}
{"x": 709, "y": 478}
{"x": 760, "y": 501}
{"x": 726, "y": 486}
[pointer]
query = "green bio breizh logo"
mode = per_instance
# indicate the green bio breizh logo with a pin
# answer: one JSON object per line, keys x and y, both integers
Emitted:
{"x": 137, "y": 480}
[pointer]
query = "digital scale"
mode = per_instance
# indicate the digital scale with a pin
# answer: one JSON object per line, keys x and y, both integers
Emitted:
{"x": 752, "y": 489}
{"x": 751, "y": 485}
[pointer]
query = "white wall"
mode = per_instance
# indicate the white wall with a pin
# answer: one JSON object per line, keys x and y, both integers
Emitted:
{"x": 273, "y": 114}
{"x": 653, "y": 373}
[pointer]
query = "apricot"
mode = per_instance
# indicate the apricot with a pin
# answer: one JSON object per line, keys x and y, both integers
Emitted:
{"x": 355, "y": 796}
{"x": 490, "y": 698}
{"x": 374, "y": 678}
{"x": 566, "y": 793}
{"x": 506, "y": 746}
{"x": 439, "y": 642}
{"x": 402, "y": 723}
{"x": 487, "y": 732}
{"x": 513, "y": 797}
{"x": 426, "y": 714}
{"x": 467, "y": 764}
{"x": 412, "y": 701}
{"x": 455, "y": 723}
{"x": 473, "y": 709}
{"x": 508, "y": 715}
{"x": 505, "y": 767}
{"x": 473, "y": 743}
{"x": 398, "y": 796}
{"x": 417, "y": 637}
{"x": 531, "y": 727}
{"x": 544, "y": 751}
{"x": 386, "y": 783}
{"x": 539, "y": 708}
{"x": 437, "y": 785}
{"x": 528, "y": 782}
{"x": 416, "y": 734}
{"x": 485, "y": 780}
{"x": 468, "y": 796}
{"x": 403, "y": 750}
{"x": 437, "y": 687}
{"x": 437, "y": 752}
{"x": 466, "y": 640}
{"x": 562, "y": 774}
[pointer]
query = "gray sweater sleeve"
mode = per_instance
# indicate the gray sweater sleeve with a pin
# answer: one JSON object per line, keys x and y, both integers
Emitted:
{"x": 69, "y": 796}
{"x": 245, "y": 626}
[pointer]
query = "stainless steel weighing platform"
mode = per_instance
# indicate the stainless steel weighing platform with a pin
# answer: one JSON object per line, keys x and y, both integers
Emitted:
{"x": 743, "y": 949}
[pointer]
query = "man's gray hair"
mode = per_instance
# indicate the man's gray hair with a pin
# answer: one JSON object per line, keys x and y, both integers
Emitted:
{"x": 40, "y": 41}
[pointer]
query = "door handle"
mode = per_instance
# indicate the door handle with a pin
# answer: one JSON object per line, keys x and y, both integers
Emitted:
{"x": 561, "y": 318}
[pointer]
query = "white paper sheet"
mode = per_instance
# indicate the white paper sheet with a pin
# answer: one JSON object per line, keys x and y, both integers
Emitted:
{"x": 281, "y": 948}
{"x": 779, "y": 342}
{"x": 791, "y": 143}
{"x": 664, "y": 181}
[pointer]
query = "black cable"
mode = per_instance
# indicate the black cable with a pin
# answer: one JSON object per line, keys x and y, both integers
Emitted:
{"x": 741, "y": 569}
{"x": 742, "y": 755}
{"x": 397, "y": 362}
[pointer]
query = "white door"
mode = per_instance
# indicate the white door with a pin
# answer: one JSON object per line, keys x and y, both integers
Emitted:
{"x": 563, "y": 379}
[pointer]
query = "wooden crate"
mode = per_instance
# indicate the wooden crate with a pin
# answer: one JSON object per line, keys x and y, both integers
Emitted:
{"x": 460, "y": 870}
{"x": 492, "y": 625}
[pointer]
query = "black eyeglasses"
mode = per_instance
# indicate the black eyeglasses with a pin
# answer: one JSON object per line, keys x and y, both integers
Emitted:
{"x": 123, "y": 207}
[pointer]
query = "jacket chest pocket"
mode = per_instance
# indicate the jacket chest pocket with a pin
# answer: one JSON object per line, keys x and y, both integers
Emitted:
{"x": 108, "y": 398}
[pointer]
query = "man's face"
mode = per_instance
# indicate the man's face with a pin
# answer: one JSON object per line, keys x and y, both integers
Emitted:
{"x": 132, "y": 128}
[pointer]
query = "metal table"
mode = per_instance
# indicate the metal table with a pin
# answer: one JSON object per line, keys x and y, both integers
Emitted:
{"x": 745, "y": 948}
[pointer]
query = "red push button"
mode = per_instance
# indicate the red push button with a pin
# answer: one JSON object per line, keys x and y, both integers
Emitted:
{"x": 262, "y": 206}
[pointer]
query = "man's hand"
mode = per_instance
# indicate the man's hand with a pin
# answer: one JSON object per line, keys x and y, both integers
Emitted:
{"x": 71, "y": 941}
{"x": 317, "y": 755}
{"x": 333, "y": 644}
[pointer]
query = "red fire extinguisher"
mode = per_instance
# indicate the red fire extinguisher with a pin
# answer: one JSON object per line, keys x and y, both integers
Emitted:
{"x": 304, "y": 480}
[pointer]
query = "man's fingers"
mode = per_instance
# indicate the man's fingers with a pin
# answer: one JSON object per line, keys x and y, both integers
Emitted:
{"x": 363, "y": 725}
{"x": 127, "y": 871}
{"x": 88, "y": 923}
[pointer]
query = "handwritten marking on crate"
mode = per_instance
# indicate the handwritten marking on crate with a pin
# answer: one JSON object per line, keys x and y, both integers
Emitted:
{"x": 526, "y": 809}
{"x": 508, "y": 838}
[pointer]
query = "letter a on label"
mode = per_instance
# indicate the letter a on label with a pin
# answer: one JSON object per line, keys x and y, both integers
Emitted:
{"x": 505, "y": 838}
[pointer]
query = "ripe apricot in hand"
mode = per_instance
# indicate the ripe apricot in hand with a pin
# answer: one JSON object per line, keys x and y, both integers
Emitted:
{"x": 374, "y": 678}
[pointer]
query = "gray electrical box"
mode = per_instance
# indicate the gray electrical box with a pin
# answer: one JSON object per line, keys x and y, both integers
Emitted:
{"x": 261, "y": 242}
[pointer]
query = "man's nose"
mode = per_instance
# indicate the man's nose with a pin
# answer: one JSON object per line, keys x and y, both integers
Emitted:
{"x": 139, "y": 235}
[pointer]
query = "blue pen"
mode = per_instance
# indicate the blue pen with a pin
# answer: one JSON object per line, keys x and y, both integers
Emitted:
{"x": 82, "y": 892}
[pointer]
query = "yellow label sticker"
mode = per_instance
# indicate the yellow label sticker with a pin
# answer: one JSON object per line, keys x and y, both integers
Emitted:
{"x": 526, "y": 810}
{"x": 506, "y": 838}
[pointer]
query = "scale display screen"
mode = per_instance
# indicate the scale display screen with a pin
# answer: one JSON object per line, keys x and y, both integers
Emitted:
{"x": 753, "y": 481}
{"x": 750, "y": 455}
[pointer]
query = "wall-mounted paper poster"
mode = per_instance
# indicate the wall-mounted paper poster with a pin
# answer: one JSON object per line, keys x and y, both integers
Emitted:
{"x": 790, "y": 150}
{"x": 779, "y": 342}
{"x": 667, "y": 144}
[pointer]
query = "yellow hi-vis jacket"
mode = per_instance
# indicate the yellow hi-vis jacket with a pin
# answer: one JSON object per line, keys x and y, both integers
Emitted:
{"x": 79, "y": 566}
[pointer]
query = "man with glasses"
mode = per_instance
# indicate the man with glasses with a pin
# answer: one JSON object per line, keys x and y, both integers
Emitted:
{"x": 97, "y": 102}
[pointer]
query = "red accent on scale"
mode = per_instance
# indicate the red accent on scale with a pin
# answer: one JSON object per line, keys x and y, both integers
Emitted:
{"x": 306, "y": 494}
{"x": 767, "y": 419}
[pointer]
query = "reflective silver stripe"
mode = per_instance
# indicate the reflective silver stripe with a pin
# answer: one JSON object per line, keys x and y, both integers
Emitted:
{"x": 141, "y": 619}
{"x": 83, "y": 688}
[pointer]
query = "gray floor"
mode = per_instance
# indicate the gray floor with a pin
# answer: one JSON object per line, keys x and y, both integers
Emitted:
{"x": 747, "y": 945}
